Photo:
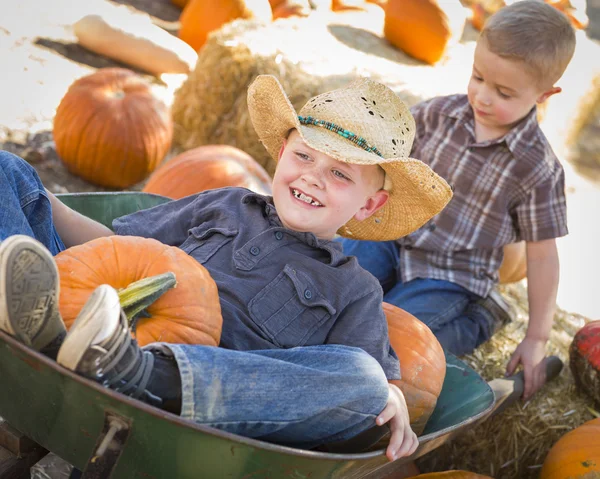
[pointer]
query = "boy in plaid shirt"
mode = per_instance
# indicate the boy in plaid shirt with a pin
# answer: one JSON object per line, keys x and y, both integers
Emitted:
{"x": 508, "y": 186}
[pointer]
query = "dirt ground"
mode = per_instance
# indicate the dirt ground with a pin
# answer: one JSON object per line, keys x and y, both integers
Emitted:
{"x": 41, "y": 58}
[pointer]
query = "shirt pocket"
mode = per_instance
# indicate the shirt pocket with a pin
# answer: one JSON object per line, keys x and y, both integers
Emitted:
{"x": 202, "y": 242}
{"x": 289, "y": 309}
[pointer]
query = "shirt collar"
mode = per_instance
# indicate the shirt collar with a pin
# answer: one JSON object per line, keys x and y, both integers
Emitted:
{"x": 518, "y": 139}
{"x": 334, "y": 248}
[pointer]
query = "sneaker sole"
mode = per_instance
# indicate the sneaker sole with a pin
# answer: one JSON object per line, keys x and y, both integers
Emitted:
{"x": 86, "y": 327}
{"x": 29, "y": 296}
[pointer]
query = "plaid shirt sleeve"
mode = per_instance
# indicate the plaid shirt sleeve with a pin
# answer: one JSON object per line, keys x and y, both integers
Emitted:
{"x": 543, "y": 214}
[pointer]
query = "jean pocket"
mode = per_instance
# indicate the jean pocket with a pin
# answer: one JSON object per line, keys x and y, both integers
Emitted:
{"x": 202, "y": 243}
{"x": 289, "y": 309}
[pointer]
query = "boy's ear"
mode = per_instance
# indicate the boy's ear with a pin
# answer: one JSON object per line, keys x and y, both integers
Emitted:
{"x": 548, "y": 93}
{"x": 282, "y": 149}
{"x": 373, "y": 203}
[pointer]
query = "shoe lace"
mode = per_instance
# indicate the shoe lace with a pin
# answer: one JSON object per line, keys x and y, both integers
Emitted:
{"x": 128, "y": 367}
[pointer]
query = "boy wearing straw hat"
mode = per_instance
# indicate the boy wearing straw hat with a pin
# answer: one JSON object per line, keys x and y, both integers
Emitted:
{"x": 305, "y": 356}
{"x": 508, "y": 187}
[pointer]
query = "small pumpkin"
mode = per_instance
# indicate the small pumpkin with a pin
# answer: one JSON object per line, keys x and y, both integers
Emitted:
{"x": 450, "y": 475}
{"x": 584, "y": 360}
{"x": 514, "y": 264}
{"x": 422, "y": 364}
{"x": 576, "y": 455}
{"x": 200, "y": 17}
{"x": 189, "y": 313}
{"x": 292, "y": 8}
{"x": 208, "y": 167}
{"x": 423, "y": 29}
{"x": 110, "y": 129}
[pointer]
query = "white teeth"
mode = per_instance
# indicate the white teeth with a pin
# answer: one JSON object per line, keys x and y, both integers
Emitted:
{"x": 306, "y": 198}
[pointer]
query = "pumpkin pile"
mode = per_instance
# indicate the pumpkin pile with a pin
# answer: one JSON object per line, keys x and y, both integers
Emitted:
{"x": 584, "y": 360}
{"x": 111, "y": 129}
{"x": 187, "y": 314}
{"x": 208, "y": 167}
{"x": 422, "y": 364}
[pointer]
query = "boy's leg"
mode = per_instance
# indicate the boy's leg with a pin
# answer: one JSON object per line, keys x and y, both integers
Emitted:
{"x": 300, "y": 397}
{"x": 29, "y": 291}
{"x": 453, "y": 313}
{"x": 380, "y": 258}
{"x": 25, "y": 207}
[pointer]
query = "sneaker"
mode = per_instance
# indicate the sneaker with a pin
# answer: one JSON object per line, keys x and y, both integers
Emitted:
{"x": 99, "y": 346}
{"x": 502, "y": 312}
{"x": 29, "y": 289}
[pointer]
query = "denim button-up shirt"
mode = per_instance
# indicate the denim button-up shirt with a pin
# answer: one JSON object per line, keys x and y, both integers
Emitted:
{"x": 278, "y": 288}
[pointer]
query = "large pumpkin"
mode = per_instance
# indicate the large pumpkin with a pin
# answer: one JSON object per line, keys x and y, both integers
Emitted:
{"x": 450, "y": 475}
{"x": 208, "y": 167}
{"x": 189, "y": 313}
{"x": 110, "y": 128}
{"x": 200, "y": 17}
{"x": 584, "y": 360}
{"x": 422, "y": 364}
{"x": 423, "y": 28}
{"x": 514, "y": 263}
{"x": 576, "y": 455}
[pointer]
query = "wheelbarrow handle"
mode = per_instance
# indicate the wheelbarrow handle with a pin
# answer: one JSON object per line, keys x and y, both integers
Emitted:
{"x": 508, "y": 390}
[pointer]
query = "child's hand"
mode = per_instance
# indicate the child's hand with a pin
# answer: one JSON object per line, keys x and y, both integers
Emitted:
{"x": 403, "y": 441}
{"x": 530, "y": 353}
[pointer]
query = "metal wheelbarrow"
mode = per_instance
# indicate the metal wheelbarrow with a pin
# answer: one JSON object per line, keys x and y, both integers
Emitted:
{"x": 107, "y": 434}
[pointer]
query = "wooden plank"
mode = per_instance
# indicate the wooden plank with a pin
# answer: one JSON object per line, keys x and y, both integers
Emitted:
{"x": 14, "y": 467}
{"x": 15, "y": 441}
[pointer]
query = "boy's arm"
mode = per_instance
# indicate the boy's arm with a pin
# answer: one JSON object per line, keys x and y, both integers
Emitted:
{"x": 72, "y": 227}
{"x": 403, "y": 441}
{"x": 542, "y": 286}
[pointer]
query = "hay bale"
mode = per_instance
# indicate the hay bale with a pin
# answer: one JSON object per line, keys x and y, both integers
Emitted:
{"x": 516, "y": 442}
{"x": 309, "y": 56}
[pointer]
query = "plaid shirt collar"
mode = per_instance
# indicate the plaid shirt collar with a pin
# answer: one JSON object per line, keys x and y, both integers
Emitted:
{"x": 518, "y": 139}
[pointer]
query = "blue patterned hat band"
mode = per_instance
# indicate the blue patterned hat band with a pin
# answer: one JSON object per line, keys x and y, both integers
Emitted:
{"x": 357, "y": 140}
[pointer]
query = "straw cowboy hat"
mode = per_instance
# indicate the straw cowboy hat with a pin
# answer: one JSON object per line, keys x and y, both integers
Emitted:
{"x": 363, "y": 123}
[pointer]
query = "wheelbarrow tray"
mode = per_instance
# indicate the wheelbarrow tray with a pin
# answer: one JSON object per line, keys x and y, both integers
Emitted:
{"x": 69, "y": 415}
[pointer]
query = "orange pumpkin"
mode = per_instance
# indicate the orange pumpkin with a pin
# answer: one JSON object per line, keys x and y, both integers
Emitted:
{"x": 189, "y": 313}
{"x": 200, "y": 17}
{"x": 576, "y": 455}
{"x": 423, "y": 28}
{"x": 422, "y": 364}
{"x": 584, "y": 360}
{"x": 110, "y": 128}
{"x": 450, "y": 475}
{"x": 205, "y": 168}
{"x": 292, "y": 8}
{"x": 514, "y": 264}
{"x": 344, "y": 5}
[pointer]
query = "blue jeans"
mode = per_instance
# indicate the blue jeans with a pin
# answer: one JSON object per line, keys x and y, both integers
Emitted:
{"x": 451, "y": 311}
{"x": 299, "y": 397}
{"x": 24, "y": 204}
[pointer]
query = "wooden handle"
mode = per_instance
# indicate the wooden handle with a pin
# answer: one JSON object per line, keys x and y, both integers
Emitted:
{"x": 510, "y": 389}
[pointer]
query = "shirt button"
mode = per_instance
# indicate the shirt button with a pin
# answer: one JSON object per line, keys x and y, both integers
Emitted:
{"x": 278, "y": 235}
{"x": 308, "y": 294}
{"x": 254, "y": 251}
{"x": 432, "y": 227}
{"x": 408, "y": 247}
{"x": 481, "y": 274}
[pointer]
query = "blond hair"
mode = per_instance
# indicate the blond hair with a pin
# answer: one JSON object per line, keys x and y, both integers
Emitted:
{"x": 534, "y": 33}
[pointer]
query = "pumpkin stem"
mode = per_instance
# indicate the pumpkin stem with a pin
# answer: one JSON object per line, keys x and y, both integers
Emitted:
{"x": 136, "y": 297}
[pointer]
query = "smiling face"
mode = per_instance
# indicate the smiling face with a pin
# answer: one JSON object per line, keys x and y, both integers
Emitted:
{"x": 315, "y": 193}
{"x": 501, "y": 92}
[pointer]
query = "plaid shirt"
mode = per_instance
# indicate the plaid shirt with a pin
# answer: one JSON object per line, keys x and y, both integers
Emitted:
{"x": 505, "y": 190}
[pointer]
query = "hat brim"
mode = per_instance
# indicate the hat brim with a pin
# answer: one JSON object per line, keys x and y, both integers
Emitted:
{"x": 417, "y": 192}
